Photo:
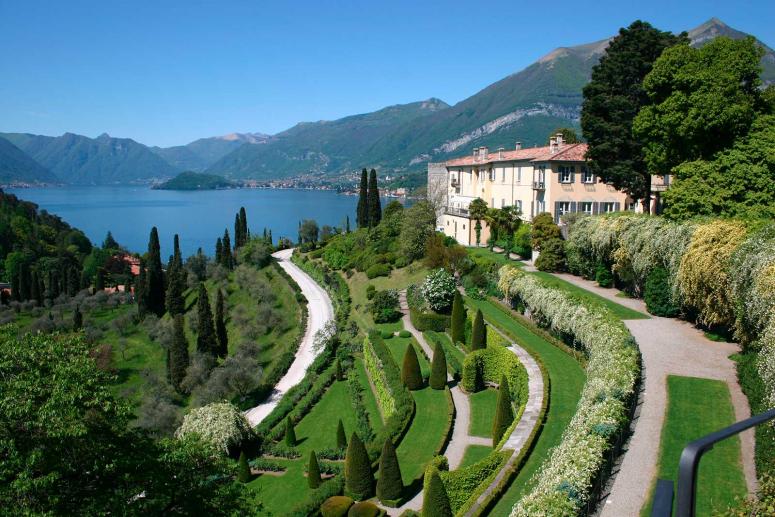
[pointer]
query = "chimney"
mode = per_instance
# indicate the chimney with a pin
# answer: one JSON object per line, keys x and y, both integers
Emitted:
{"x": 559, "y": 141}
{"x": 500, "y": 153}
{"x": 476, "y": 152}
{"x": 484, "y": 152}
{"x": 552, "y": 145}
{"x": 519, "y": 145}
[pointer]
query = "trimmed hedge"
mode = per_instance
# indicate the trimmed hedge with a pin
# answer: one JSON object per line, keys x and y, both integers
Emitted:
{"x": 315, "y": 498}
{"x": 438, "y": 378}
{"x": 410, "y": 369}
{"x": 463, "y": 482}
{"x": 389, "y": 484}
{"x": 453, "y": 365}
{"x": 359, "y": 479}
{"x": 490, "y": 364}
{"x": 364, "y": 509}
{"x": 336, "y": 506}
{"x": 421, "y": 316}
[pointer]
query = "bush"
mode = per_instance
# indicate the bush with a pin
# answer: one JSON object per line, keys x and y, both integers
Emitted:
{"x": 389, "y": 485}
{"x": 603, "y": 276}
{"x": 466, "y": 483}
{"x": 438, "y": 290}
{"x": 423, "y": 321}
{"x": 523, "y": 242}
{"x": 243, "y": 469}
{"x": 377, "y": 270}
{"x": 370, "y": 291}
{"x": 657, "y": 294}
{"x": 543, "y": 230}
{"x": 438, "y": 379}
{"x": 220, "y": 423}
{"x": 341, "y": 437}
{"x": 552, "y": 256}
{"x": 386, "y": 334}
{"x": 313, "y": 471}
{"x": 504, "y": 413}
{"x": 478, "y": 332}
{"x": 384, "y": 306}
{"x": 336, "y": 506}
{"x": 364, "y": 509}
{"x": 290, "y": 433}
{"x": 473, "y": 376}
{"x": 359, "y": 480}
{"x": 410, "y": 369}
{"x": 436, "y": 501}
{"x": 404, "y": 333}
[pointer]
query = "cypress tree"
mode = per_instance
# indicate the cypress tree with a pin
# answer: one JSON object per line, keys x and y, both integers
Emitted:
{"x": 35, "y": 293}
{"x": 341, "y": 437}
{"x": 389, "y": 483}
{"x": 458, "y": 322}
{"x": 362, "y": 212}
{"x": 218, "y": 251}
{"x": 347, "y": 224}
{"x": 504, "y": 414}
{"x": 226, "y": 257}
{"x": 243, "y": 469}
{"x": 206, "y": 342}
{"x": 237, "y": 231}
{"x": 243, "y": 221}
{"x": 270, "y": 238}
{"x": 72, "y": 281}
{"x": 339, "y": 372}
{"x": 175, "y": 302}
{"x": 358, "y": 477}
{"x": 313, "y": 471}
{"x": 177, "y": 258}
{"x": 410, "y": 369}
{"x": 478, "y": 332}
{"x": 24, "y": 283}
{"x": 77, "y": 319}
{"x": 220, "y": 327}
{"x": 290, "y": 433}
{"x": 373, "y": 203}
{"x": 141, "y": 293}
{"x": 438, "y": 379}
{"x": 53, "y": 285}
{"x": 154, "y": 278}
{"x": 178, "y": 354}
{"x": 436, "y": 501}
{"x": 16, "y": 291}
{"x": 99, "y": 280}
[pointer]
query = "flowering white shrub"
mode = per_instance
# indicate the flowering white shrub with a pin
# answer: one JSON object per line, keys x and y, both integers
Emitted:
{"x": 563, "y": 485}
{"x": 766, "y": 362}
{"x": 219, "y": 423}
{"x": 439, "y": 289}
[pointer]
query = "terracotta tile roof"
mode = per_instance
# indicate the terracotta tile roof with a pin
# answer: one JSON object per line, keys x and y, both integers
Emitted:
{"x": 568, "y": 152}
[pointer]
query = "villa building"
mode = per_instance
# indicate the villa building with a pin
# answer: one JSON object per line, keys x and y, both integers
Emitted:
{"x": 552, "y": 179}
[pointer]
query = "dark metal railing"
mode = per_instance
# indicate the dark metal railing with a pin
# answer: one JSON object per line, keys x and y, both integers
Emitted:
{"x": 689, "y": 464}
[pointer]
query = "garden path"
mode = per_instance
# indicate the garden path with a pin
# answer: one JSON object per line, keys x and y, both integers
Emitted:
{"x": 668, "y": 347}
{"x": 320, "y": 312}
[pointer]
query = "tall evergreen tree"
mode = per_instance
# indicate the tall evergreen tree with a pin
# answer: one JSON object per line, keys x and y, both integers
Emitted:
{"x": 99, "y": 280}
{"x": 410, "y": 369}
{"x": 458, "y": 322}
{"x": 176, "y": 286}
{"x": 35, "y": 294}
{"x": 110, "y": 243}
{"x": 436, "y": 501}
{"x": 141, "y": 291}
{"x": 154, "y": 277}
{"x": 77, "y": 319}
{"x": 243, "y": 469}
{"x": 177, "y": 257}
{"x": 227, "y": 259}
{"x": 478, "y": 332}
{"x": 358, "y": 477}
{"x": 347, "y": 224}
{"x": 313, "y": 471}
{"x": 72, "y": 281}
{"x": 504, "y": 413}
{"x": 271, "y": 243}
{"x": 373, "y": 203}
{"x": 290, "y": 433}
{"x": 220, "y": 326}
{"x": 178, "y": 354}
{"x": 362, "y": 212}
{"x": 613, "y": 98}
{"x": 16, "y": 291}
{"x": 24, "y": 283}
{"x": 206, "y": 341}
{"x": 218, "y": 251}
{"x": 389, "y": 483}
{"x": 438, "y": 380}
{"x": 237, "y": 232}
{"x": 341, "y": 437}
{"x": 243, "y": 221}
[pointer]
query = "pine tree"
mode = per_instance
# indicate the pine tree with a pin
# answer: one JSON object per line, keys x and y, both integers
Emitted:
{"x": 290, "y": 433}
{"x": 362, "y": 212}
{"x": 373, "y": 203}
{"x": 458, "y": 322}
{"x": 358, "y": 477}
{"x": 154, "y": 278}
{"x": 243, "y": 469}
{"x": 220, "y": 326}
{"x": 227, "y": 259}
{"x": 410, "y": 369}
{"x": 438, "y": 380}
{"x": 206, "y": 341}
{"x": 313, "y": 471}
{"x": 504, "y": 413}
{"x": 389, "y": 483}
{"x": 218, "y": 251}
{"x": 77, "y": 319}
{"x": 341, "y": 437}
{"x": 178, "y": 356}
{"x": 478, "y": 332}
{"x": 436, "y": 501}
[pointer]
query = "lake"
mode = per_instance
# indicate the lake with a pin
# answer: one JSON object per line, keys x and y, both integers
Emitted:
{"x": 199, "y": 217}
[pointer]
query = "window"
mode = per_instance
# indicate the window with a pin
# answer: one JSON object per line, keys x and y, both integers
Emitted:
{"x": 464, "y": 227}
{"x": 492, "y": 174}
{"x": 566, "y": 173}
{"x": 563, "y": 207}
{"x": 518, "y": 204}
{"x": 586, "y": 175}
{"x": 519, "y": 175}
{"x": 586, "y": 207}
{"x": 492, "y": 202}
{"x": 607, "y": 208}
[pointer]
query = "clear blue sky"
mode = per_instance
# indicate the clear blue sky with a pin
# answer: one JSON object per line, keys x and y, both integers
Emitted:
{"x": 168, "y": 72}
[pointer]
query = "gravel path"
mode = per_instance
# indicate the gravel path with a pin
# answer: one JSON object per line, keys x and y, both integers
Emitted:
{"x": 668, "y": 347}
{"x": 321, "y": 311}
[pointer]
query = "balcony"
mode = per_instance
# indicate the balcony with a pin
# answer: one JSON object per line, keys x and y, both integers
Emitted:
{"x": 451, "y": 210}
{"x": 539, "y": 185}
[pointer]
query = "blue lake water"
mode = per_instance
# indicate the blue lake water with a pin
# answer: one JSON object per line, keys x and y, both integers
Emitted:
{"x": 199, "y": 217}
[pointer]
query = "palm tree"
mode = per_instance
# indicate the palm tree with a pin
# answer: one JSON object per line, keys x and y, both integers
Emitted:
{"x": 505, "y": 221}
{"x": 478, "y": 211}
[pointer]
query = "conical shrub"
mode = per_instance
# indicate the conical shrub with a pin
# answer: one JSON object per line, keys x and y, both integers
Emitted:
{"x": 478, "y": 333}
{"x": 504, "y": 414}
{"x": 389, "y": 485}
{"x": 458, "y": 322}
{"x": 341, "y": 437}
{"x": 290, "y": 433}
{"x": 436, "y": 501}
{"x": 243, "y": 469}
{"x": 313, "y": 471}
{"x": 438, "y": 379}
{"x": 410, "y": 369}
{"x": 358, "y": 477}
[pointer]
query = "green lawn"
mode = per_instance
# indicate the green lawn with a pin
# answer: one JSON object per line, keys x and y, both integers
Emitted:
{"x": 695, "y": 408}
{"x": 482, "y": 412}
{"x": 618, "y": 310}
{"x": 279, "y": 494}
{"x": 474, "y": 453}
{"x": 425, "y": 434}
{"x": 432, "y": 337}
{"x": 317, "y": 430}
{"x": 397, "y": 346}
{"x": 498, "y": 258}
{"x": 566, "y": 381}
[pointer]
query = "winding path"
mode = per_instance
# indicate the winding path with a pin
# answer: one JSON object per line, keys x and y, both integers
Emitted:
{"x": 668, "y": 347}
{"x": 320, "y": 312}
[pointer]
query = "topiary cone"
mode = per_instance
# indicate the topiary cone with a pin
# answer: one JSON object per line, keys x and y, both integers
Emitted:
{"x": 358, "y": 477}
{"x": 390, "y": 484}
{"x": 313, "y": 471}
{"x": 438, "y": 380}
{"x": 410, "y": 369}
{"x": 458, "y": 323}
{"x": 504, "y": 414}
{"x": 341, "y": 438}
{"x": 478, "y": 336}
{"x": 290, "y": 433}
{"x": 436, "y": 501}
{"x": 243, "y": 469}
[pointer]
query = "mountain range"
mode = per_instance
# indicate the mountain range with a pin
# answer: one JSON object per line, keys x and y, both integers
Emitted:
{"x": 524, "y": 106}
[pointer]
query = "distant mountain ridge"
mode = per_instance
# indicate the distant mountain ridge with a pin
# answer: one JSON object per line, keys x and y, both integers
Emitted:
{"x": 16, "y": 167}
{"x": 202, "y": 153}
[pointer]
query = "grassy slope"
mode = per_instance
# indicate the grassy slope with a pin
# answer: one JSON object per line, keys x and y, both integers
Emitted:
{"x": 566, "y": 378}
{"x": 474, "y": 453}
{"x": 369, "y": 400}
{"x": 397, "y": 346}
{"x": 697, "y": 407}
{"x": 482, "y": 412}
{"x": 424, "y": 435}
{"x": 431, "y": 337}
